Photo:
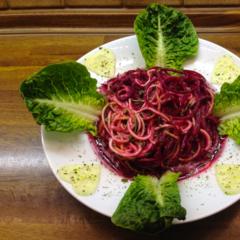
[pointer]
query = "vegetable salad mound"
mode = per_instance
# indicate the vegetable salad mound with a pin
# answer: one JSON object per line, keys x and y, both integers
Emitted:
{"x": 156, "y": 120}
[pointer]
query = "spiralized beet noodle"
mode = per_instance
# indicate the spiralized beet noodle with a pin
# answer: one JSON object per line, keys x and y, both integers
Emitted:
{"x": 155, "y": 120}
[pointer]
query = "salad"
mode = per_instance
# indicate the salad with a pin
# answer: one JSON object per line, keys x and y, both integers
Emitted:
{"x": 158, "y": 120}
{"x": 155, "y": 125}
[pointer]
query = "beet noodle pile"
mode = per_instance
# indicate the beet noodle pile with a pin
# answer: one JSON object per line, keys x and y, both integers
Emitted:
{"x": 155, "y": 120}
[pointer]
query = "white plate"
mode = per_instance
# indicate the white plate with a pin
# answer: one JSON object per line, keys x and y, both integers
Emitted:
{"x": 201, "y": 195}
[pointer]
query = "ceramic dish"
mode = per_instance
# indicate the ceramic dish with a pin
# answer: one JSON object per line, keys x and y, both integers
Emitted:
{"x": 201, "y": 195}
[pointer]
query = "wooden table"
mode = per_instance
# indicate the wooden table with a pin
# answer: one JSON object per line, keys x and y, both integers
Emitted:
{"x": 33, "y": 205}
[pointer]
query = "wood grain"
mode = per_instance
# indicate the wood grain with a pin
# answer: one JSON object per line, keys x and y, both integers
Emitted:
{"x": 211, "y": 2}
{"x": 33, "y": 204}
{"x": 3, "y": 4}
{"x": 35, "y": 3}
{"x": 143, "y": 3}
{"x": 93, "y": 3}
{"x": 223, "y": 19}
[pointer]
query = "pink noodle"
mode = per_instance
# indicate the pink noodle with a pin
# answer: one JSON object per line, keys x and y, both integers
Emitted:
{"x": 155, "y": 120}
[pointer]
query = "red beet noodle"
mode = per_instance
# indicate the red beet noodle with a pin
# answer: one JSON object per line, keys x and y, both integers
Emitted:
{"x": 157, "y": 120}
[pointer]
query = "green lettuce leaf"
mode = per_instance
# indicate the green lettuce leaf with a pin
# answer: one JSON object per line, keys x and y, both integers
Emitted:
{"x": 228, "y": 100}
{"x": 63, "y": 97}
{"x": 150, "y": 205}
{"x": 231, "y": 128}
{"x": 227, "y": 107}
{"x": 166, "y": 36}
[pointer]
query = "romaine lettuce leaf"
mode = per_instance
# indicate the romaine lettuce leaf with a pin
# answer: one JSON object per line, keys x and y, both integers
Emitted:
{"x": 228, "y": 100}
{"x": 150, "y": 205}
{"x": 231, "y": 128}
{"x": 63, "y": 97}
{"x": 227, "y": 107}
{"x": 166, "y": 36}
